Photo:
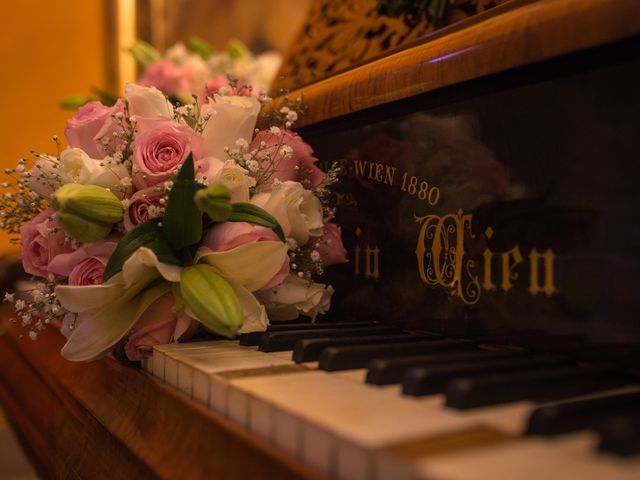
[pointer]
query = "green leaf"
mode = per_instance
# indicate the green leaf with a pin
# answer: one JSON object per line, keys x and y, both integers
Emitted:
{"x": 106, "y": 98}
{"x": 182, "y": 218}
{"x": 74, "y": 101}
{"x": 247, "y": 212}
{"x": 237, "y": 49}
{"x": 147, "y": 234}
{"x": 201, "y": 47}
{"x": 144, "y": 54}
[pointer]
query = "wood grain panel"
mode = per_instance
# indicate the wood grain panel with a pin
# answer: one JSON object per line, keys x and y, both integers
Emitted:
{"x": 105, "y": 419}
{"x": 531, "y": 33}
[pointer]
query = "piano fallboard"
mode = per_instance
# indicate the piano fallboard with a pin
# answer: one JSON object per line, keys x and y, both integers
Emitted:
{"x": 503, "y": 209}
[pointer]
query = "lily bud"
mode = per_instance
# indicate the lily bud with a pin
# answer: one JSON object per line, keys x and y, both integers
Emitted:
{"x": 215, "y": 201}
{"x": 211, "y": 300}
{"x": 86, "y": 212}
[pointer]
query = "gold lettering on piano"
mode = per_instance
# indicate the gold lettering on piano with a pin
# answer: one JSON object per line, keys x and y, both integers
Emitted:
{"x": 377, "y": 172}
{"x": 444, "y": 262}
{"x": 409, "y": 184}
{"x": 534, "y": 284}
{"x": 508, "y": 267}
{"x": 441, "y": 256}
{"x": 371, "y": 259}
{"x": 487, "y": 283}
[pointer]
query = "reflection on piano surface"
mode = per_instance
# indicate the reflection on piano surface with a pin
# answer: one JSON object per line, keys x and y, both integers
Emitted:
{"x": 486, "y": 326}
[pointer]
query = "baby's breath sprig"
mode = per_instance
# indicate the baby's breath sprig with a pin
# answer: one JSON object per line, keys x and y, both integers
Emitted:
{"x": 39, "y": 307}
{"x": 305, "y": 261}
{"x": 323, "y": 189}
{"x": 283, "y": 116}
{"x": 18, "y": 203}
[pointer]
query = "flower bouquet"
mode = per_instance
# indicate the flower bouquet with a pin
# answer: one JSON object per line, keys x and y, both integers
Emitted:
{"x": 159, "y": 220}
{"x": 195, "y": 68}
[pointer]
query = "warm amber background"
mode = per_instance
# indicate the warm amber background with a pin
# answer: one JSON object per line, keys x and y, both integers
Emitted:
{"x": 50, "y": 49}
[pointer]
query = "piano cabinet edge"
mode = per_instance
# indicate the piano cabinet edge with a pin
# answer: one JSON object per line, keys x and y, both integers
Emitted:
{"x": 107, "y": 420}
{"x": 525, "y": 34}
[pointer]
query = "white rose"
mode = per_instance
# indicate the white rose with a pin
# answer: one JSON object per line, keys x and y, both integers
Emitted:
{"x": 77, "y": 167}
{"x": 147, "y": 101}
{"x": 198, "y": 69}
{"x": 296, "y": 296}
{"x": 46, "y": 176}
{"x": 298, "y": 210}
{"x": 177, "y": 54}
{"x": 232, "y": 176}
{"x": 229, "y": 119}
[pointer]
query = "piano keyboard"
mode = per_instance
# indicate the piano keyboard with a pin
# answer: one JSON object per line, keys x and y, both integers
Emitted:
{"x": 371, "y": 402}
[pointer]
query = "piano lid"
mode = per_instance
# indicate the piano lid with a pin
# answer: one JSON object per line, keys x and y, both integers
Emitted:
{"x": 338, "y": 35}
{"x": 503, "y": 208}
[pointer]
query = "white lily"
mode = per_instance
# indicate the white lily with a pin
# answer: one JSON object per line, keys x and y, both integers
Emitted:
{"x": 255, "y": 315}
{"x": 109, "y": 311}
{"x": 251, "y": 265}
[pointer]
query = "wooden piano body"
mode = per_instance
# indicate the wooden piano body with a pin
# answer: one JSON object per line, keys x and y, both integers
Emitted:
{"x": 537, "y": 107}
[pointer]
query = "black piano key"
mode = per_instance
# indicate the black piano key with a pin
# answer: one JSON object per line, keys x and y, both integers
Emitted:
{"x": 420, "y": 381}
{"x": 346, "y": 358}
{"x": 252, "y": 339}
{"x": 385, "y": 371}
{"x": 309, "y": 349}
{"x": 278, "y": 341}
{"x": 541, "y": 384}
{"x": 620, "y": 434}
{"x": 575, "y": 415}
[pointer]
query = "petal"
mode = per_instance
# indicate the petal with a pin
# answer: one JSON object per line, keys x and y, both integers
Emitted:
{"x": 81, "y": 298}
{"x": 251, "y": 265}
{"x": 144, "y": 261}
{"x": 138, "y": 271}
{"x": 98, "y": 331}
{"x": 255, "y": 315}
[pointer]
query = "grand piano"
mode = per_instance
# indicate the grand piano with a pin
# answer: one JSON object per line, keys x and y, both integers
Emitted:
{"x": 486, "y": 325}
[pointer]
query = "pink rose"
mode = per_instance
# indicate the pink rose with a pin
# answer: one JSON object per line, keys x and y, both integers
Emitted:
{"x": 171, "y": 79}
{"x": 89, "y": 124}
{"x": 42, "y": 240}
{"x": 158, "y": 325}
{"x": 86, "y": 265}
{"x": 330, "y": 245}
{"x": 144, "y": 205}
{"x": 298, "y": 165}
{"x": 228, "y": 235}
{"x": 213, "y": 86}
{"x": 161, "y": 147}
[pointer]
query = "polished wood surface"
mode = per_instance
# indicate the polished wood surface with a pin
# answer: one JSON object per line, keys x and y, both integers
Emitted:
{"x": 107, "y": 420}
{"x": 531, "y": 33}
{"x": 338, "y": 35}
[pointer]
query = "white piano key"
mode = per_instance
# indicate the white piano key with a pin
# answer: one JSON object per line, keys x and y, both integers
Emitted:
{"x": 287, "y": 432}
{"x": 238, "y": 407}
{"x": 512, "y": 419}
{"x": 362, "y": 417}
{"x": 557, "y": 458}
{"x": 318, "y": 448}
{"x": 160, "y": 353}
{"x": 206, "y": 362}
{"x": 147, "y": 364}
{"x": 158, "y": 364}
{"x": 332, "y": 421}
{"x": 261, "y": 418}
